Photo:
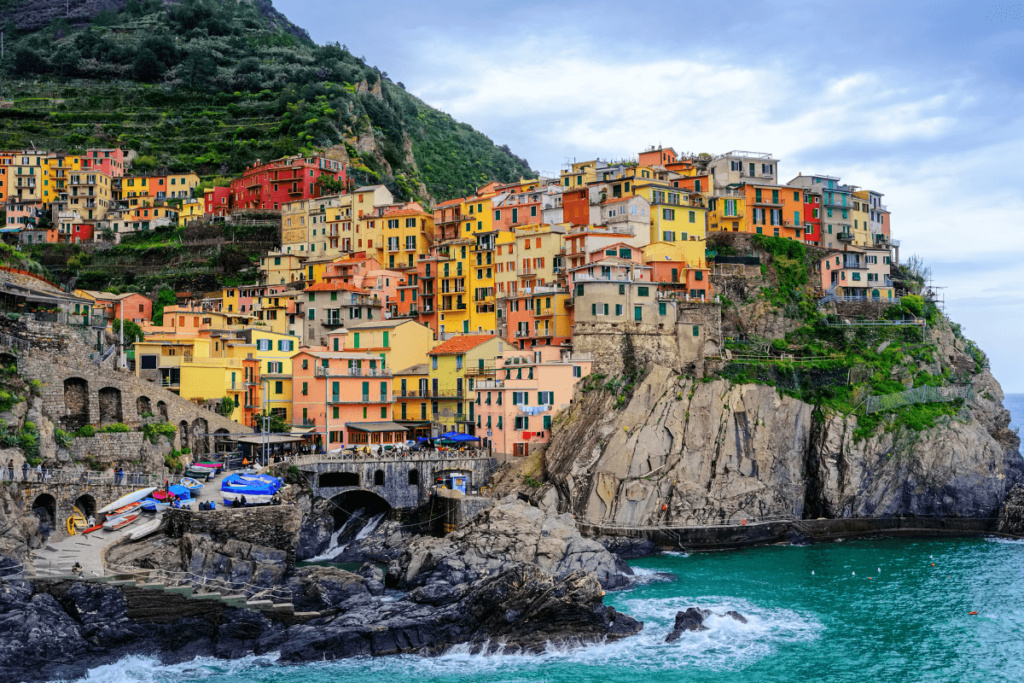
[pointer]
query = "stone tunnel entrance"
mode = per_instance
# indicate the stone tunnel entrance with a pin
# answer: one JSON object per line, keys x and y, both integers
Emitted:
{"x": 87, "y": 504}
{"x": 144, "y": 407}
{"x": 357, "y": 514}
{"x": 45, "y": 508}
{"x": 76, "y": 403}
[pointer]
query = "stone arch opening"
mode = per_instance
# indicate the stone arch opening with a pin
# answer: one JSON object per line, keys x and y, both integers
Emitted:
{"x": 331, "y": 479}
{"x": 8, "y": 359}
{"x": 200, "y": 443}
{"x": 76, "y": 403}
{"x": 378, "y": 478}
{"x": 110, "y": 405}
{"x": 414, "y": 477}
{"x": 45, "y": 508}
{"x": 144, "y": 406}
{"x": 87, "y": 505}
{"x": 357, "y": 508}
{"x": 220, "y": 441}
{"x": 183, "y": 434}
{"x": 161, "y": 410}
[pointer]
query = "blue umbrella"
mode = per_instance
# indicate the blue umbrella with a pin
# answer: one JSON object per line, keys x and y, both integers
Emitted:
{"x": 465, "y": 437}
{"x": 450, "y": 435}
{"x": 423, "y": 438}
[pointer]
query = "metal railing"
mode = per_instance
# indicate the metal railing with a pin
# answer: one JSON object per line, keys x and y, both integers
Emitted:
{"x": 321, "y": 371}
{"x": 364, "y": 398}
{"x": 86, "y": 477}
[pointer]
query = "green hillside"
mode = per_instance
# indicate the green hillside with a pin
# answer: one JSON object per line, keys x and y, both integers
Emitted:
{"x": 214, "y": 85}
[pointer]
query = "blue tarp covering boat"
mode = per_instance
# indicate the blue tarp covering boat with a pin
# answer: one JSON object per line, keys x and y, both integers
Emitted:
{"x": 258, "y": 488}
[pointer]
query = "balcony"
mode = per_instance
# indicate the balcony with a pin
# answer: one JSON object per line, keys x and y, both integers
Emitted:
{"x": 845, "y": 236}
{"x": 364, "y": 398}
{"x": 321, "y": 371}
{"x": 853, "y": 263}
{"x": 586, "y": 277}
{"x": 362, "y": 301}
{"x": 527, "y": 272}
{"x": 487, "y": 369}
{"x": 484, "y": 385}
{"x": 766, "y": 202}
{"x": 295, "y": 190}
{"x": 332, "y": 322}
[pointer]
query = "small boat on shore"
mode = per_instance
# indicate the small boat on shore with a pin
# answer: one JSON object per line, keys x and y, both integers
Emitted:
{"x": 94, "y": 527}
{"x": 76, "y": 522}
{"x": 127, "y": 500}
{"x": 152, "y": 505}
{"x": 191, "y": 484}
{"x": 144, "y": 530}
{"x": 125, "y": 509}
{"x": 121, "y": 521}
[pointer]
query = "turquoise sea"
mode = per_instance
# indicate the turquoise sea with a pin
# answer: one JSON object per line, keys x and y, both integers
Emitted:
{"x": 855, "y": 611}
{"x": 847, "y": 612}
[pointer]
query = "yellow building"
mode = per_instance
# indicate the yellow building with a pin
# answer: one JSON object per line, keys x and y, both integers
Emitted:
{"x": 400, "y": 343}
{"x": 275, "y": 353}
{"x": 25, "y": 176}
{"x": 860, "y": 214}
{"x": 407, "y": 233}
{"x": 412, "y": 404}
{"x": 339, "y": 235}
{"x": 539, "y": 251}
{"x": 450, "y": 389}
{"x": 56, "y": 175}
{"x": 579, "y": 175}
{"x": 280, "y": 268}
{"x": 191, "y": 210}
{"x": 272, "y": 310}
{"x": 676, "y": 215}
{"x": 727, "y": 212}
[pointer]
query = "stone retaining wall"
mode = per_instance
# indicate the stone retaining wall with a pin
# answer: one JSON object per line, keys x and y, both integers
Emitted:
{"x": 119, "y": 448}
{"x": 275, "y": 526}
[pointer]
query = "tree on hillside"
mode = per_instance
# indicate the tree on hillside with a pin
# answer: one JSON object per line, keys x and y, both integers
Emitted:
{"x": 132, "y": 331}
{"x": 165, "y": 297}
{"x": 198, "y": 69}
{"x": 66, "y": 60}
{"x": 147, "y": 67}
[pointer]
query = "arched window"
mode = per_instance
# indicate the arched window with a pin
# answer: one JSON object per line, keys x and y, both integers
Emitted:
{"x": 378, "y": 478}
{"x": 414, "y": 477}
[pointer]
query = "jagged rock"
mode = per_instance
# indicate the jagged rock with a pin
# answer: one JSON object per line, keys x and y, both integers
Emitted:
{"x": 10, "y": 419}
{"x": 1011, "y": 521}
{"x": 690, "y": 620}
{"x": 19, "y": 409}
{"x": 315, "y": 589}
{"x": 626, "y": 548}
{"x": 373, "y": 578}
{"x": 317, "y": 526}
{"x": 511, "y": 531}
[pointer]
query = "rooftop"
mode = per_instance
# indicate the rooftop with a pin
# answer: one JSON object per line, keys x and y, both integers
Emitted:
{"x": 462, "y": 344}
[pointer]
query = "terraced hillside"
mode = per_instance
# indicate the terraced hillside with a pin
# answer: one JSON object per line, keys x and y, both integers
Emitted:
{"x": 213, "y": 86}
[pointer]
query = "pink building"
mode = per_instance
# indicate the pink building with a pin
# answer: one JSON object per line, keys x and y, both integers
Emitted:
{"x": 110, "y": 161}
{"x": 345, "y": 395}
{"x": 217, "y": 201}
{"x": 515, "y": 410}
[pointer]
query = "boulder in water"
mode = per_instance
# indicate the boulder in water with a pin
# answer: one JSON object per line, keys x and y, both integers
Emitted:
{"x": 693, "y": 618}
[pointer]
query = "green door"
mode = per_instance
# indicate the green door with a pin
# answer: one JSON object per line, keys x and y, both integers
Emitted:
{"x": 638, "y": 313}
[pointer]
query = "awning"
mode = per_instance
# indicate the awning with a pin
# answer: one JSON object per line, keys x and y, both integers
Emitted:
{"x": 259, "y": 439}
{"x": 301, "y": 430}
{"x": 376, "y": 426}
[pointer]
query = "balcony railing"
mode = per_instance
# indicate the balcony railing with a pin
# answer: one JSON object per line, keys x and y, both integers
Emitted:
{"x": 351, "y": 372}
{"x": 487, "y": 369}
{"x": 364, "y": 398}
{"x": 853, "y": 263}
{"x": 845, "y": 236}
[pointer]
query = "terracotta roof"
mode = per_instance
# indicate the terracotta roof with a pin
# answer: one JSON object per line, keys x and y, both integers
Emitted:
{"x": 450, "y": 202}
{"x": 616, "y": 200}
{"x": 461, "y": 344}
{"x": 334, "y": 287}
{"x": 410, "y": 209}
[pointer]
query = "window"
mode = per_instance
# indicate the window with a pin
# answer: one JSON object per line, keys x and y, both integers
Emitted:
{"x": 693, "y": 216}
{"x": 668, "y": 214}
{"x": 643, "y": 291}
{"x": 668, "y": 236}
{"x": 662, "y": 308}
{"x": 278, "y": 387}
{"x": 618, "y": 309}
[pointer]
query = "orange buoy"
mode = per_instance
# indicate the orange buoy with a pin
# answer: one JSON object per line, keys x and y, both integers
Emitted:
{"x": 973, "y": 613}
{"x": 933, "y": 564}
{"x": 743, "y": 522}
{"x": 664, "y": 507}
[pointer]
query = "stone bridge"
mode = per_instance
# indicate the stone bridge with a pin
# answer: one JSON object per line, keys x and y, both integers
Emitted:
{"x": 404, "y": 483}
{"x": 53, "y": 502}
{"x": 76, "y": 391}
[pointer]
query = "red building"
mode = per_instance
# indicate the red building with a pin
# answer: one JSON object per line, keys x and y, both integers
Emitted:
{"x": 109, "y": 161}
{"x": 576, "y": 206}
{"x": 217, "y": 201}
{"x": 812, "y": 217}
{"x": 268, "y": 186}
{"x": 80, "y": 232}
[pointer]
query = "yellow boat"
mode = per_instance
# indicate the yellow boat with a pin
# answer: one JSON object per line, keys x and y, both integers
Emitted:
{"x": 76, "y": 522}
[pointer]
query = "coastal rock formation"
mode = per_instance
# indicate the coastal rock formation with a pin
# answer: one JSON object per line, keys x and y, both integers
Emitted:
{"x": 60, "y": 629}
{"x": 511, "y": 531}
{"x": 685, "y": 452}
{"x": 1011, "y": 521}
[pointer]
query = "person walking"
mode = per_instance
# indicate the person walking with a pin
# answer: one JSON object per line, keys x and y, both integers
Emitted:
{"x": 43, "y": 471}
{"x": 24, "y": 470}
{"x": 39, "y": 472}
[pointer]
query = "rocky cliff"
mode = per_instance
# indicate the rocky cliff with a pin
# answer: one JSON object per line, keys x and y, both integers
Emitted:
{"x": 685, "y": 452}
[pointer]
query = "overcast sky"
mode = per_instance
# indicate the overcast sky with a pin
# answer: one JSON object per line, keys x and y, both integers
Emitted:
{"x": 921, "y": 101}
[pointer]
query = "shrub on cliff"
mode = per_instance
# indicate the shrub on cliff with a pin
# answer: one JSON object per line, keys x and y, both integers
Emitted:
{"x": 154, "y": 430}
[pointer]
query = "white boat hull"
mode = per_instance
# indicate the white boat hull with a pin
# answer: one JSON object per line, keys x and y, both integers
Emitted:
{"x": 127, "y": 500}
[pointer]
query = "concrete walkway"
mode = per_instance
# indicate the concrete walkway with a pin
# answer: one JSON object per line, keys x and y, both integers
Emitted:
{"x": 57, "y": 559}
